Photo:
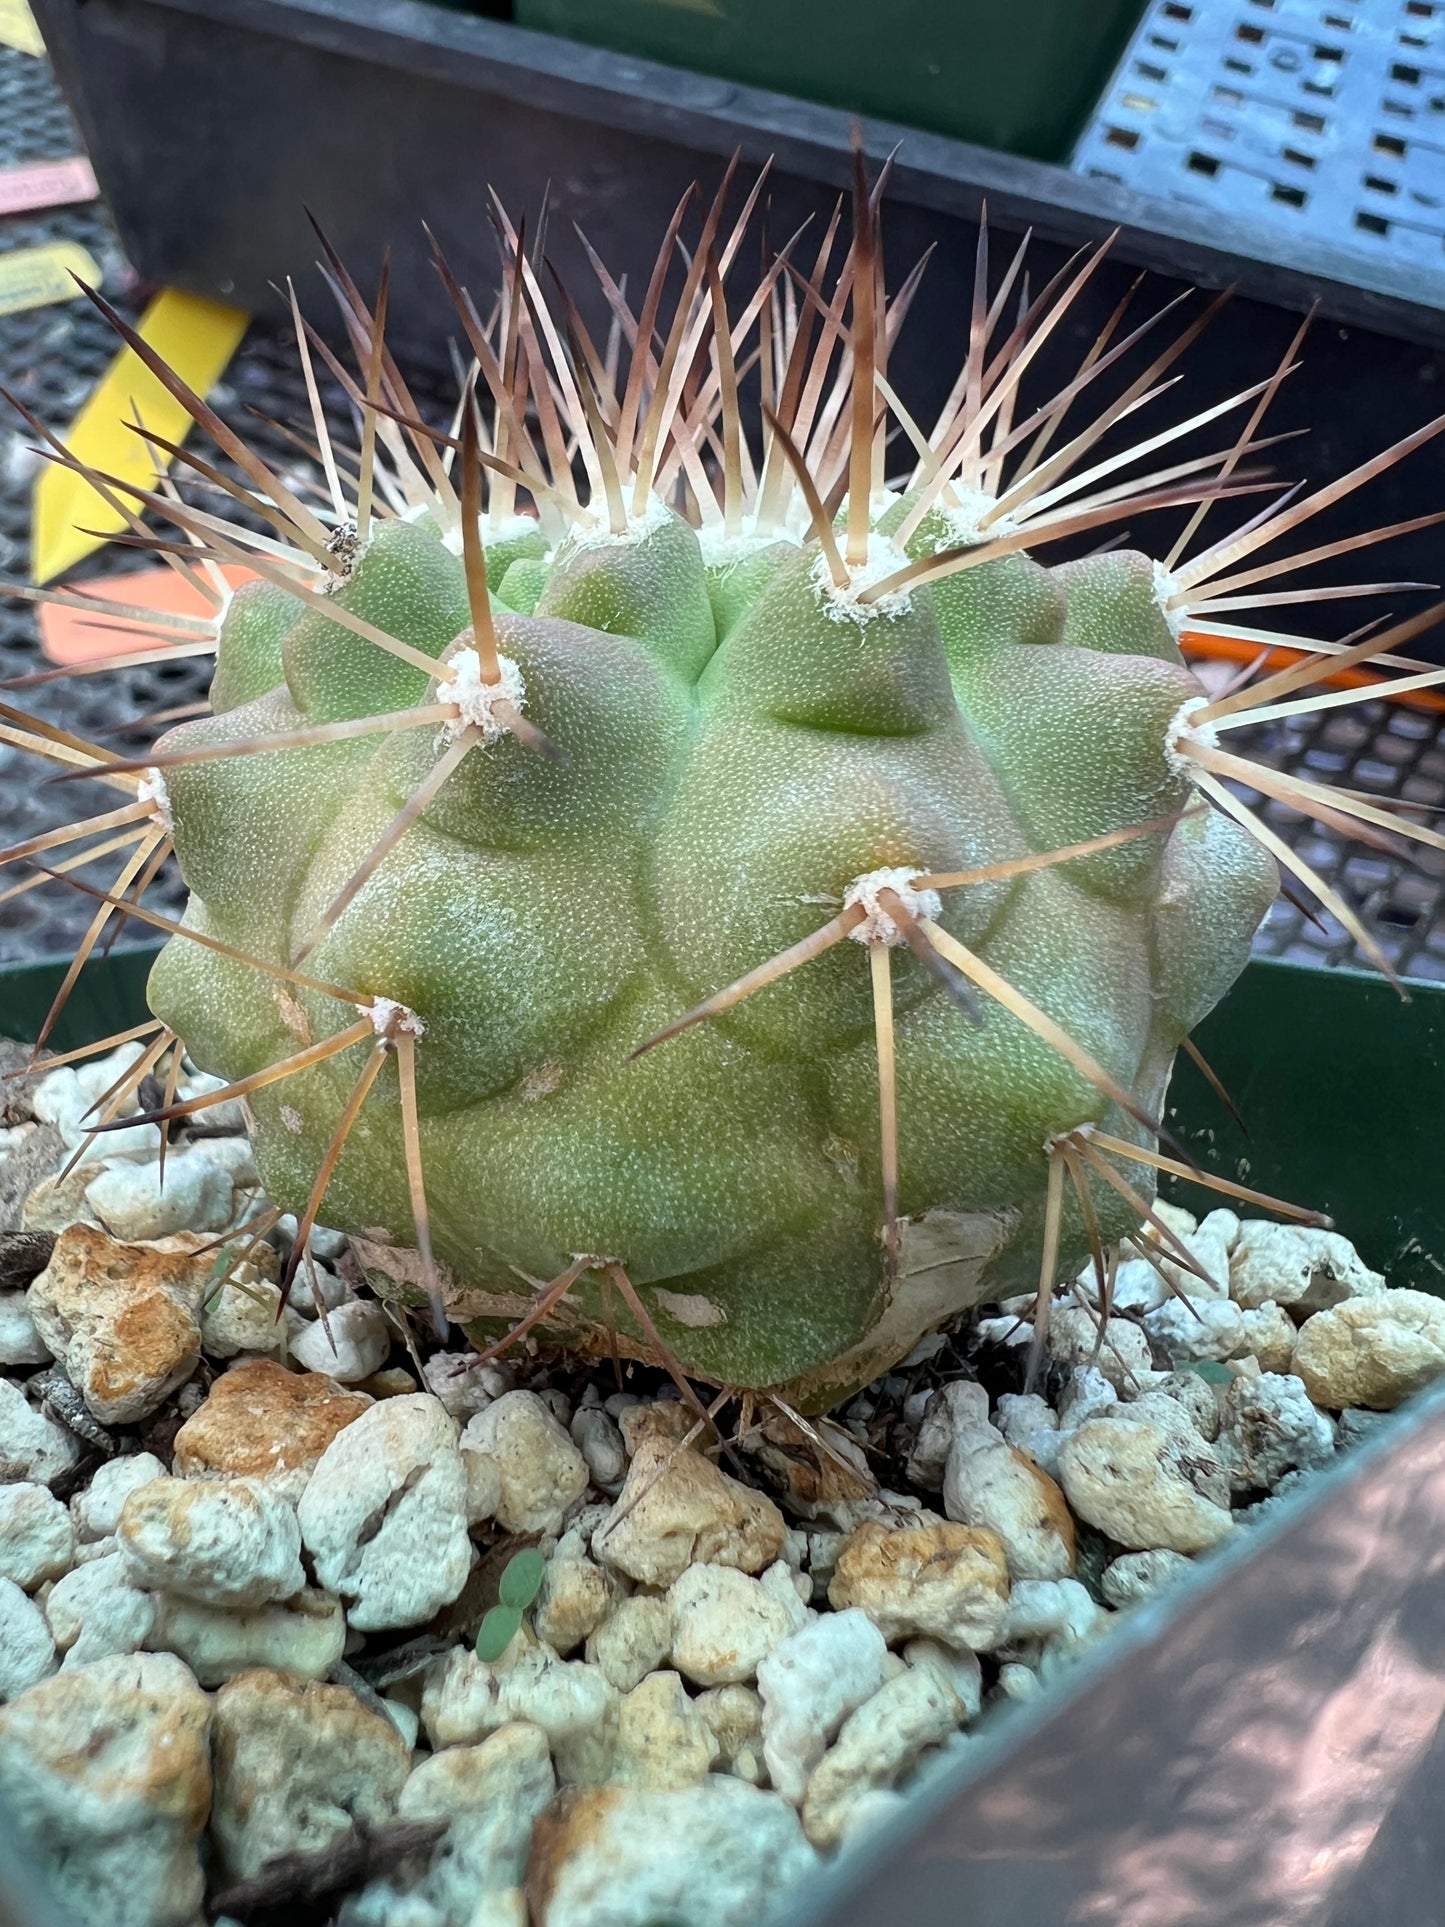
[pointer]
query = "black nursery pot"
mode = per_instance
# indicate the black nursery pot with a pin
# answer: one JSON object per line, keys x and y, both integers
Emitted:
{"x": 1264, "y": 1744}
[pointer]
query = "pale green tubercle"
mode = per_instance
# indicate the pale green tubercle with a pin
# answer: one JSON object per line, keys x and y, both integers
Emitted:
{"x": 736, "y": 756}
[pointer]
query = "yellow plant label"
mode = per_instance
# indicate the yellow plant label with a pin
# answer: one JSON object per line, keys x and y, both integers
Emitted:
{"x": 18, "y": 28}
{"x": 32, "y": 277}
{"x": 197, "y": 338}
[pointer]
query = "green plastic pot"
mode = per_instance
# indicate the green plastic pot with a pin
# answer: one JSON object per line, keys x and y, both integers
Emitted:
{"x": 1341, "y": 1082}
{"x": 1023, "y": 77}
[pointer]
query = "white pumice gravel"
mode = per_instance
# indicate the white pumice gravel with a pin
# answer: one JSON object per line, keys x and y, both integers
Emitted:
{"x": 732, "y": 1669}
{"x": 37, "y": 1535}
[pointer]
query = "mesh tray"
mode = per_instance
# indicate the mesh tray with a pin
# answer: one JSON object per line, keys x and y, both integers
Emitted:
{"x": 51, "y": 358}
{"x": 1319, "y": 117}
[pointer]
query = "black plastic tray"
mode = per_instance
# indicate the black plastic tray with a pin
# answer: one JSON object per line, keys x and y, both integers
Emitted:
{"x": 213, "y": 124}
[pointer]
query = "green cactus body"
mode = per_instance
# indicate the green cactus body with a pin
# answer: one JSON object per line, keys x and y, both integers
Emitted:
{"x": 735, "y": 761}
{"x": 495, "y": 799}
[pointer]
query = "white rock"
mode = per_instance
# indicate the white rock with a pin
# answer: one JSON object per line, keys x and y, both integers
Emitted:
{"x": 97, "y": 1509}
{"x": 960, "y": 1671}
{"x": 809, "y": 1685}
{"x": 1087, "y": 1394}
{"x": 315, "y": 1288}
{"x": 1270, "y": 1428}
{"x": 324, "y": 1242}
{"x": 380, "y": 1904}
{"x": 1005, "y": 1490}
{"x": 105, "y": 1776}
{"x": 20, "y": 1343}
{"x": 65, "y": 1097}
{"x": 1135, "y": 1576}
{"x": 961, "y": 1403}
{"x": 877, "y": 1745}
{"x": 37, "y": 1537}
{"x": 32, "y": 1446}
{"x": 464, "y": 1385}
{"x": 1209, "y": 1245}
{"x": 600, "y": 1443}
{"x": 232, "y": 1543}
{"x": 632, "y": 1641}
{"x": 1021, "y": 1414}
{"x": 1195, "y": 1394}
{"x": 541, "y": 1471}
{"x": 350, "y": 1346}
{"x": 134, "y": 1204}
{"x": 1373, "y": 1351}
{"x": 1297, "y": 1266}
{"x": 304, "y": 1636}
{"x": 484, "y": 1484}
{"x": 233, "y": 1154}
{"x": 1137, "y": 1287}
{"x": 661, "y": 1739}
{"x": 490, "y": 1795}
{"x": 505, "y": 1907}
{"x": 465, "y": 1698}
{"x": 1051, "y": 1610}
{"x": 1123, "y": 1357}
{"x": 27, "y": 1650}
{"x": 725, "y": 1624}
{"x": 1018, "y": 1682}
{"x": 1218, "y": 1329}
{"x": 243, "y": 1316}
{"x": 715, "y": 1855}
{"x": 1137, "y": 1484}
{"x": 297, "y": 1763}
{"x": 95, "y": 1611}
{"x": 384, "y": 1514}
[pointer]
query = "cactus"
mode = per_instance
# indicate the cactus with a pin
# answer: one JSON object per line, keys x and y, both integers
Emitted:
{"x": 697, "y": 892}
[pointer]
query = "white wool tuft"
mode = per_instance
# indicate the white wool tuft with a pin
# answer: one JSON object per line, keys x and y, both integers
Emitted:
{"x": 877, "y": 926}
{"x": 387, "y": 1017}
{"x": 1166, "y": 584}
{"x": 1182, "y": 730}
{"x": 152, "y": 789}
{"x": 885, "y": 558}
{"x": 476, "y": 700}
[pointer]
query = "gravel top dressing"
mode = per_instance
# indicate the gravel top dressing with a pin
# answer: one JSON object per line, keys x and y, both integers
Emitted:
{"x": 304, "y": 1617}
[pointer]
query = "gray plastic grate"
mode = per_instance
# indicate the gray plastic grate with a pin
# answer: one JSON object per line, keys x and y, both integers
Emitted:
{"x": 1320, "y": 117}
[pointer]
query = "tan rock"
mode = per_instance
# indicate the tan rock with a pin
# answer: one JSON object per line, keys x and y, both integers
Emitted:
{"x": 676, "y": 1509}
{"x": 721, "y": 1851}
{"x": 1374, "y": 1351}
{"x": 948, "y": 1581}
{"x": 1145, "y": 1486}
{"x": 661, "y": 1738}
{"x": 296, "y": 1762}
{"x": 261, "y": 1420}
{"x": 123, "y": 1318}
{"x": 576, "y": 1595}
{"x": 1002, "y": 1488}
{"x": 105, "y": 1776}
